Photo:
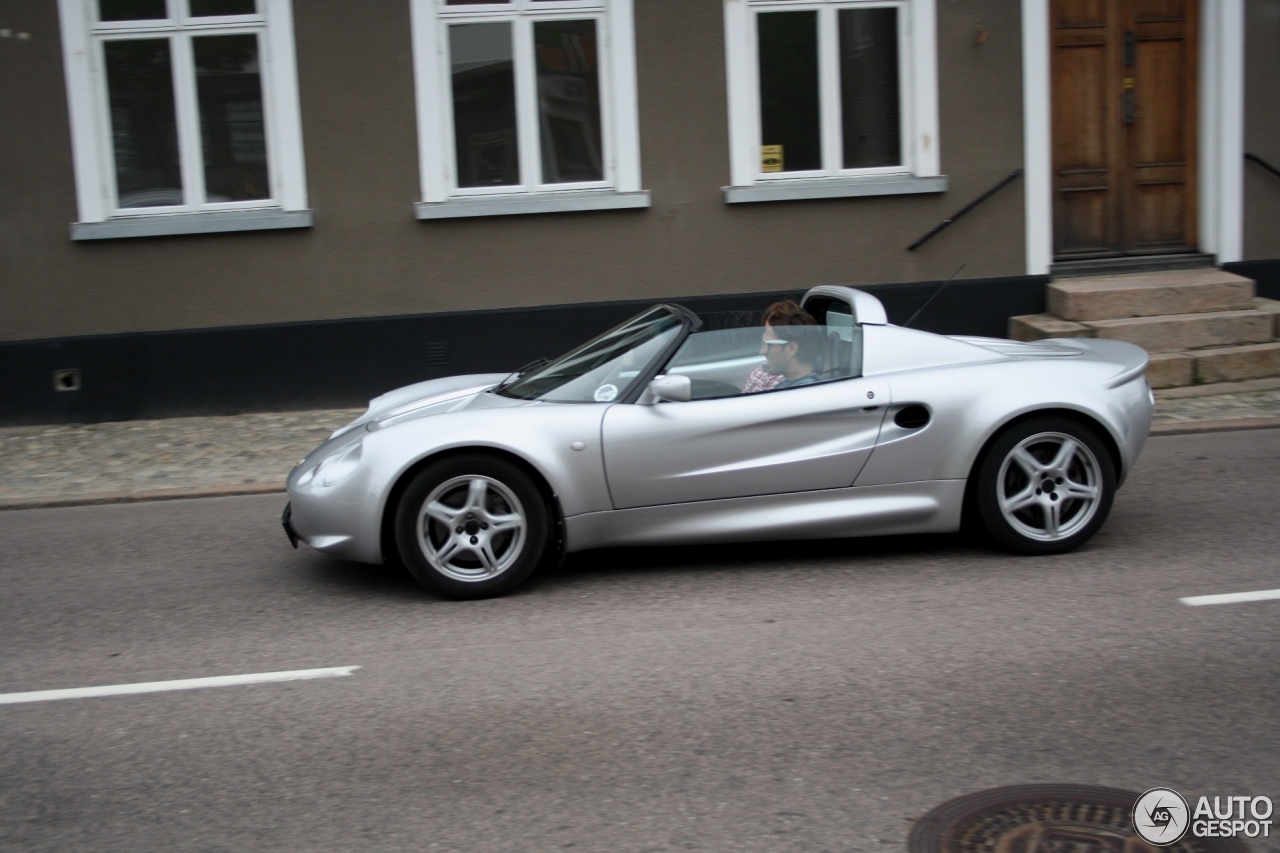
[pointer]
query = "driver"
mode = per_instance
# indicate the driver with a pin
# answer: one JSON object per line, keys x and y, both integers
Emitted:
{"x": 773, "y": 372}
{"x": 794, "y": 352}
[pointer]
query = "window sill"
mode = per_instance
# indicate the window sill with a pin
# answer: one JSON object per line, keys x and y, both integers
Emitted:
{"x": 508, "y": 205}
{"x": 783, "y": 190}
{"x": 210, "y": 222}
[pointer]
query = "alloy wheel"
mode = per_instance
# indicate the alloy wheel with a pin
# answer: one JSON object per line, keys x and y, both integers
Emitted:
{"x": 472, "y": 528}
{"x": 1049, "y": 486}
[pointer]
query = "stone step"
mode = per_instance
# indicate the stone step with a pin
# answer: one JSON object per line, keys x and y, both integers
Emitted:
{"x": 1215, "y": 364}
{"x": 1149, "y": 295}
{"x": 1235, "y": 364}
{"x": 1037, "y": 327}
{"x": 1175, "y": 332}
{"x": 1169, "y": 333}
{"x": 1272, "y": 307}
{"x": 1171, "y": 370}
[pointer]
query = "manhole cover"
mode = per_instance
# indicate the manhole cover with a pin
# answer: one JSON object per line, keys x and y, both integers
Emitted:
{"x": 1045, "y": 819}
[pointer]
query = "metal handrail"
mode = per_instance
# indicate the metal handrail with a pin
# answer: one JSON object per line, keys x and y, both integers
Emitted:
{"x": 1263, "y": 163}
{"x": 962, "y": 211}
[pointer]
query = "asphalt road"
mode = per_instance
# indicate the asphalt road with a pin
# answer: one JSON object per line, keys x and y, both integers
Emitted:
{"x": 783, "y": 697}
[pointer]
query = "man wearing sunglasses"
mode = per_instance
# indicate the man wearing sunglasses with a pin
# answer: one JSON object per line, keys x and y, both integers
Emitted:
{"x": 777, "y": 316}
{"x": 792, "y": 352}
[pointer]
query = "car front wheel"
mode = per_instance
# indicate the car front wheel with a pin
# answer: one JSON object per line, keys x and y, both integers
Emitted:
{"x": 471, "y": 527}
{"x": 1045, "y": 486}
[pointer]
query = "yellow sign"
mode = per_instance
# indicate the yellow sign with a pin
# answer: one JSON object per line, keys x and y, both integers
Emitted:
{"x": 770, "y": 158}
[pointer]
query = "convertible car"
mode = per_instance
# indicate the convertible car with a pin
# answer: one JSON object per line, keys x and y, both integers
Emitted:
{"x": 644, "y": 435}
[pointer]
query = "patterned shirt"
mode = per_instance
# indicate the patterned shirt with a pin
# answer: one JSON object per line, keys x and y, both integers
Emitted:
{"x": 761, "y": 380}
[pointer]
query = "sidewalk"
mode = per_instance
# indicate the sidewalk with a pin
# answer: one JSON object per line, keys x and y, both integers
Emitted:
{"x": 252, "y": 454}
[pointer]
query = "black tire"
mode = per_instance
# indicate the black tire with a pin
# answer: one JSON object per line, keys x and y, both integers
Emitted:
{"x": 1045, "y": 486}
{"x": 481, "y": 552}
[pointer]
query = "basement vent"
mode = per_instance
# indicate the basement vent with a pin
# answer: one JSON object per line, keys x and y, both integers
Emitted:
{"x": 66, "y": 380}
{"x": 437, "y": 355}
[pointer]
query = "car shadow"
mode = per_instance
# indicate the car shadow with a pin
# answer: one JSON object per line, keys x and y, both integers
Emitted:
{"x": 343, "y": 577}
{"x": 740, "y": 555}
{"x": 393, "y": 582}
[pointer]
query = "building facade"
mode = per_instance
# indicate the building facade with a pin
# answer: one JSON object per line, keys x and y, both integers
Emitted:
{"x": 228, "y": 205}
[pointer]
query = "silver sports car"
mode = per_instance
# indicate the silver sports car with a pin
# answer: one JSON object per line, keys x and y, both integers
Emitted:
{"x": 662, "y": 431}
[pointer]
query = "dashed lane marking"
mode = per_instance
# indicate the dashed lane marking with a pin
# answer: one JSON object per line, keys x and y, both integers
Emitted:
{"x": 1232, "y": 597}
{"x": 181, "y": 684}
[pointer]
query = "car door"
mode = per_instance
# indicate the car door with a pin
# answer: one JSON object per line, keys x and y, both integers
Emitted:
{"x": 799, "y": 439}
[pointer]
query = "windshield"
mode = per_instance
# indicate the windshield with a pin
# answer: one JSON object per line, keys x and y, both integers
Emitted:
{"x": 603, "y": 369}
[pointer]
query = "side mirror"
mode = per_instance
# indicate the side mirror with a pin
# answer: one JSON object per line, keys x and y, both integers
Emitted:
{"x": 672, "y": 388}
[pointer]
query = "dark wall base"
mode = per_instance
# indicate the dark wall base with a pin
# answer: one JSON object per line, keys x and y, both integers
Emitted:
{"x": 344, "y": 363}
{"x": 1265, "y": 273}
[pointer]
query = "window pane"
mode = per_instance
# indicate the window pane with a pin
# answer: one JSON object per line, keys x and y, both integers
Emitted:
{"x": 789, "y": 110}
{"x": 144, "y": 130}
{"x": 131, "y": 10}
{"x": 869, "y": 88}
{"x": 206, "y": 8}
{"x": 232, "y": 132}
{"x": 749, "y": 360}
{"x": 569, "y": 101}
{"x": 484, "y": 104}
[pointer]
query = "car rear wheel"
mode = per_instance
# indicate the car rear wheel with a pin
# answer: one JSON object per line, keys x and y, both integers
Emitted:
{"x": 1045, "y": 486}
{"x": 471, "y": 527}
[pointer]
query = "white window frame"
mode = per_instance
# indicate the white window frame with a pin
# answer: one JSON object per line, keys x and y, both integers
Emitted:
{"x": 921, "y": 168}
{"x": 83, "y": 37}
{"x": 620, "y": 138}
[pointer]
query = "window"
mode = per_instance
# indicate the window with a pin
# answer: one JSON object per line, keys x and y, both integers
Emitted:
{"x": 525, "y": 106}
{"x": 755, "y": 359}
{"x": 184, "y": 116}
{"x": 831, "y": 98}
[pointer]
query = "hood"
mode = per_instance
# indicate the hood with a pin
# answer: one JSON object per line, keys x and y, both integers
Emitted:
{"x": 425, "y": 398}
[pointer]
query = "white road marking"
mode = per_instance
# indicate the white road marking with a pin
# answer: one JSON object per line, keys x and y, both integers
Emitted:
{"x": 1232, "y": 597}
{"x": 182, "y": 684}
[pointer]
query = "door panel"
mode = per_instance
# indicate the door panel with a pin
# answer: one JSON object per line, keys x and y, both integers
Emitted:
{"x": 1085, "y": 134}
{"x": 1124, "y": 135}
{"x": 1080, "y": 13}
{"x": 798, "y": 439}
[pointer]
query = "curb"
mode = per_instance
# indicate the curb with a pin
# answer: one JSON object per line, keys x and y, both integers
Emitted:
{"x": 1168, "y": 428}
{"x": 1246, "y": 386}
{"x": 1222, "y": 425}
{"x": 139, "y": 497}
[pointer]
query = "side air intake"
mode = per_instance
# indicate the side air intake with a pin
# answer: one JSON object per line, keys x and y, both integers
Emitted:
{"x": 912, "y": 417}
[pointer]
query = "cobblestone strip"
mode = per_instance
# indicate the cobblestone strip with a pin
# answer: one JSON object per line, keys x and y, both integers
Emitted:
{"x": 186, "y": 457}
{"x": 134, "y": 457}
{"x": 1261, "y": 404}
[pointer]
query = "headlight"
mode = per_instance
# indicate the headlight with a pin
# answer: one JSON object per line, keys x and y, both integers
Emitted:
{"x": 337, "y": 468}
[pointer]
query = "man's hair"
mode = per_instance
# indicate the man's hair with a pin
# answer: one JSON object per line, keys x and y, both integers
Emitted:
{"x": 810, "y": 338}
{"x": 787, "y": 313}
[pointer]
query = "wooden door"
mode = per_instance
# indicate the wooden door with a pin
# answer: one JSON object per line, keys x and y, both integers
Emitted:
{"x": 1124, "y": 126}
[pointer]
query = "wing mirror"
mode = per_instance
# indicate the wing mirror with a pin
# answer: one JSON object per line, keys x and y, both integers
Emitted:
{"x": 672, "y": 388}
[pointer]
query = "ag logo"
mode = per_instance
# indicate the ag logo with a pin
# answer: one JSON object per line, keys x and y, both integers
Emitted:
{"x": 1161, "y": 817}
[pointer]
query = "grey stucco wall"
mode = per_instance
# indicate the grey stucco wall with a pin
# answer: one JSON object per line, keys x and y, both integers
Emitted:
{"x": 1262, "y": 129}
{"x": 368, "y": 256}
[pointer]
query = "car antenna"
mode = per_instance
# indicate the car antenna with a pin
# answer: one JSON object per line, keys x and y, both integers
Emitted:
{"x": 931, "y": 298}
